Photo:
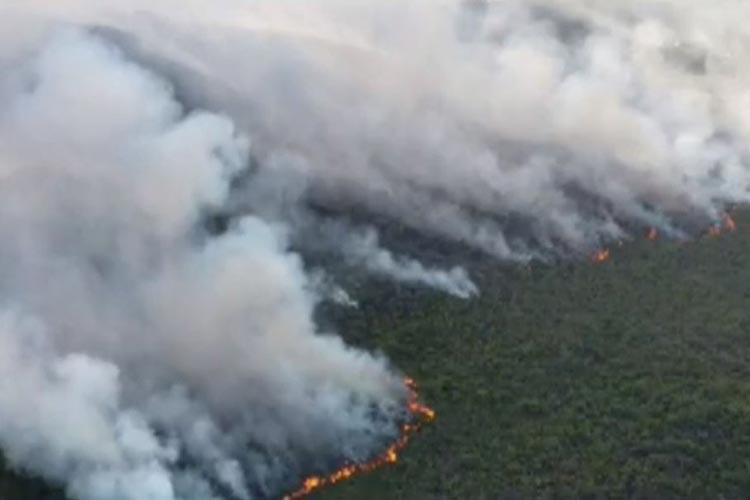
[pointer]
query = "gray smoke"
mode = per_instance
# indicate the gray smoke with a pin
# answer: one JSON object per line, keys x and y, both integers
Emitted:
{"x": 142, "y": 358}
{"x": 159, "y": 359}
{"x": 521, "y": 128}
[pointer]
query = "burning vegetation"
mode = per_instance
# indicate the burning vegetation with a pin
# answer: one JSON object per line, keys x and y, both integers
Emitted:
{"x": 418, "y": 414}
{"x": 726, "y": 225}
{"x": 601, "y": 256}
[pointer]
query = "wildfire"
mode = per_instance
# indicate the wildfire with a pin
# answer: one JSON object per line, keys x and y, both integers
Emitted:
{"x": 420, "y": 415}
{"x": 601, "y": 256}
{"x": 727, "y": 223}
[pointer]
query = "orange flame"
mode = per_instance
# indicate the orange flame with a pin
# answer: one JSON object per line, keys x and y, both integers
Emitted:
{"x": 423, "y": 414}
{"x": 420, "y": 415}
{"x": 729, "y": 223}
{"x": 601, "y": 256}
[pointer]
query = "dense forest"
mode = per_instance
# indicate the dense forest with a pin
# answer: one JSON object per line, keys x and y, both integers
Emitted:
{"x": 625, "y": 379}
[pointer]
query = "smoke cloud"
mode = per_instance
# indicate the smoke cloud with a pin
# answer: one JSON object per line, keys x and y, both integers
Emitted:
{"x": 147, "y": 355}
{"x": 142, "y": 357}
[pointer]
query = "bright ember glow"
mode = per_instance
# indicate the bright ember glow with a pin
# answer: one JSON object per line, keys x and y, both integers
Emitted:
{"x": 601, "y": 256}
{"x": 727, "y": 224}
{"x": 420, "y": 415}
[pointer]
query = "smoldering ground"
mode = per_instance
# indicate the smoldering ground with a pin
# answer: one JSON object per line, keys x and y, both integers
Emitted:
{"x": 145, "y": 354}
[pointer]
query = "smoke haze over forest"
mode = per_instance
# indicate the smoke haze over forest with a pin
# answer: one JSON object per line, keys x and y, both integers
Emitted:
{"x": 145, "y": 356}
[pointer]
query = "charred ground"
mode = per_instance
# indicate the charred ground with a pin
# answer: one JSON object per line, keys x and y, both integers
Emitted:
{"x": 629, "y": 379}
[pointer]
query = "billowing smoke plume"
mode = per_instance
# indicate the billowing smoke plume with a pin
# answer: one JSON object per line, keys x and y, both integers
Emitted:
{"x": 142, "y": 358}
{"x": 148, "y": 354}
{"x": 520, "y": 128}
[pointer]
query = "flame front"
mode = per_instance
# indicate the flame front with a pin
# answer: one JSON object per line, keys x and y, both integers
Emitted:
{"x": 726, "y": 224}
{"x": 420, "y": 415}
{"x": 729, "y": 223}
{"x": 601, "y": 256}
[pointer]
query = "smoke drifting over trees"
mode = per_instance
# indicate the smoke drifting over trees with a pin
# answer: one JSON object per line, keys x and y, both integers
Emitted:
{"x": 143, "y": 356}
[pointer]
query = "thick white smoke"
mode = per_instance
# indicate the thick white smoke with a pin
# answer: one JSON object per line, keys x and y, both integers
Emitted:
{"x": 158, "y": 359}
{"x": 520, "y": 128}
{"x": 140, "y": 357}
